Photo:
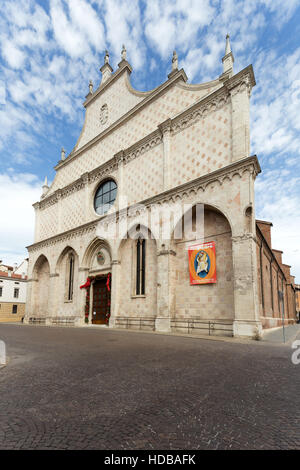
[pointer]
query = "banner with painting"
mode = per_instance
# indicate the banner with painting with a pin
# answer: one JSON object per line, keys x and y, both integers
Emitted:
{"x": 202, "y": 263}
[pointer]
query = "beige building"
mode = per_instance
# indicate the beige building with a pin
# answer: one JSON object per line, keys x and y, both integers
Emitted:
{"x": 13, "y": 283}
{"x": 112, "y": 219}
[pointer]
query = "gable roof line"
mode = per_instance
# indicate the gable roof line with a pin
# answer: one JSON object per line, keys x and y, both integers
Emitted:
{"x": 91, "y": 97}
{"x": 179, "y": 75}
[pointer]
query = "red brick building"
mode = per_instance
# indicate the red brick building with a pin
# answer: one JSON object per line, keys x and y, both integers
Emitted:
{"x": 276, "y": 285}
{"x": 297, "y": 287}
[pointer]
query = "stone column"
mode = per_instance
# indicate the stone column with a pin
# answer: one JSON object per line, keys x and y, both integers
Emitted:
{"x": 165, "y": 129}
{"x": 115, "y": 289}
{"x": 247, "y": 320}
{"x": 164, "y": 291}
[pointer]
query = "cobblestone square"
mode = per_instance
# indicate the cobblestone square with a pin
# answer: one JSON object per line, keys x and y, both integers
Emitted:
{"x": 94, "y": 388}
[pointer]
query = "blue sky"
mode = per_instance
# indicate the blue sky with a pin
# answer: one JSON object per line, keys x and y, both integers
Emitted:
{"x": 50, "y": 49}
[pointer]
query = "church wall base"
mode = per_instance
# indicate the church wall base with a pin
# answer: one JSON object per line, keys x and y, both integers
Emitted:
{"x": 247, "y": 329}
{"x": 163, "y": 324}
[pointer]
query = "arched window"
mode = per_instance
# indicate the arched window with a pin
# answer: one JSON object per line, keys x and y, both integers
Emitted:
{"x": 70, "y": 268}
{"x": 105, "y": 196}
{"x": 140, "y": 266}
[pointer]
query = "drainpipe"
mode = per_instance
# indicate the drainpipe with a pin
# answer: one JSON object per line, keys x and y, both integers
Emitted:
{"x": 271, "y": 280}
{"x": 283, "y": 330}
{"x": 261, "y": 278}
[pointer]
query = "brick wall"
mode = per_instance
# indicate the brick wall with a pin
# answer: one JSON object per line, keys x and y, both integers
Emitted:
{"x": 273, "y": 277}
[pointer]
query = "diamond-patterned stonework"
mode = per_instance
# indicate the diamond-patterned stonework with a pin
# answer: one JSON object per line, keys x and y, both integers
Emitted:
{"x": 120, "y": 100}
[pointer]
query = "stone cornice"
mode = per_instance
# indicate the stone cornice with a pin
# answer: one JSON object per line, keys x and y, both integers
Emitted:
{"x": 249, "y": 164}
{"x": 180, "y": 75}
{"x": 244, "y": 79}
{"x": 142, "y": 146}
{"x": 200, "y": 109}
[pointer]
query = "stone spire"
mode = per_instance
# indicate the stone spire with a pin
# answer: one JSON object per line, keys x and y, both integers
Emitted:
{"x": 228, "y": 46}
{"x": 123, "y": 63}
{"x": 45, "y": 186}
{"x": 174, "y": 64}
{"x": 106, "y": 69}
{"x": 123, "y": 53}
{"x": 227, "y": 60}
{"x": 63, "y": 154}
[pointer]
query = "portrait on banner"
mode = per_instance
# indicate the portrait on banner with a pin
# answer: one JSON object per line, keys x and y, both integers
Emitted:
{"x": 202, "y": 263}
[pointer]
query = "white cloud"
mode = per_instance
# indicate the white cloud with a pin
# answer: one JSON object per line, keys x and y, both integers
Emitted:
{"x": 282, "y": 10}
{"x": 276, "y": 103}
{"x": 67, "y": 35}
{"x": 87, "y": 21}
{"x": 13, "y": 55}
{"x": 2, "y": 93}
{"x": 19, "y": 191}
{"x": 123, "y": 24}
{"x": 170, "y": 24}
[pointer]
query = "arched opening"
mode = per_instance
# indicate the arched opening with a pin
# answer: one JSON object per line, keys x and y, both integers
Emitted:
{"x": 138, "y": 271}
{"x": 97, "y": 256}
{"x": 67, "y": 282}
{"x": 41, "y": 288}
{"x": 200, "y": 297}
{"x": 97, "y": 262}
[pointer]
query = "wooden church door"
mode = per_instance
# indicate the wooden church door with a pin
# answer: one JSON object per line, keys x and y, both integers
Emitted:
{"x": 100, "y": 302}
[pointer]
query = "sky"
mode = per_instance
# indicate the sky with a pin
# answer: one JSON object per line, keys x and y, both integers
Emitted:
{"x": 49, "y": 50}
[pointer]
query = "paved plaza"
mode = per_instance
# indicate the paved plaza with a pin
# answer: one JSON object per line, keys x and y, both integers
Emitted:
{"x": 94, "y": 388}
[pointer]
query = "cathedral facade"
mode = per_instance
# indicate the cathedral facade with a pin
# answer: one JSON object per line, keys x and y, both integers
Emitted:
{"x": 150, "y": 220}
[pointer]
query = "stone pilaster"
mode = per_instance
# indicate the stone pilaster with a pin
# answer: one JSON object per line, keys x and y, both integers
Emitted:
{"x": 59, "y": 212}
{"x": 240, "y": 102}
{"x": 82, "y": 276}
{"x": 122, "y": 200}
{"x": 85, "y": 179}
{"x": 29, "y": 299}
{"x": 36, "y": 207}
{"x": 247, "y": 319}
{"x": 165, "y": 129}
